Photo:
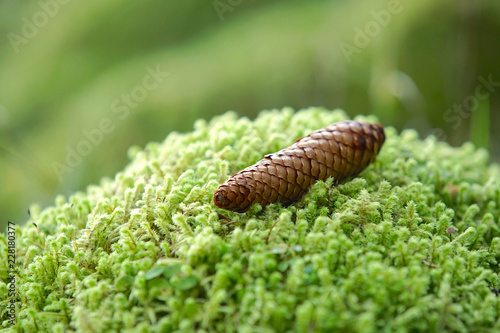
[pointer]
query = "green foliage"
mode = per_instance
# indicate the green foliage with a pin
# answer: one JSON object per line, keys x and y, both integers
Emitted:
{"x": 149, "y": 251}
{"x": 410, "y": 72}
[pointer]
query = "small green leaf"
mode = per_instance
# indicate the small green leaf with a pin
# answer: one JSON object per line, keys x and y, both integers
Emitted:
{"x": 171, "y": 270}
{"x": 123, "y": 282}
{"x": 186, "y": 283}
{"x": 157, "y": 285}
{"x": 283, "y": 266}
{"x": 154, "y": 272}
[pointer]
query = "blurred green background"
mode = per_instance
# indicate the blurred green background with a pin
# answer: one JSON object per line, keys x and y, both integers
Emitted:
{"x": 73, "y": 69}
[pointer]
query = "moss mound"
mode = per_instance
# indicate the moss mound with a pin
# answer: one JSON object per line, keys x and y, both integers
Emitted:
{"x": 149, "y": 251}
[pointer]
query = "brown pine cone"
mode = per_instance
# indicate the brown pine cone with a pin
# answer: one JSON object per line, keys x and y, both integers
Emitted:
{"x": 340, "y": 150}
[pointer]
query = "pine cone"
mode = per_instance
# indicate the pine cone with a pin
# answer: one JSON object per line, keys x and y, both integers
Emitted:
{"x": 341, "y": 150}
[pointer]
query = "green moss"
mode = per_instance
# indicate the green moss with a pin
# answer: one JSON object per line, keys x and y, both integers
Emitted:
{"x": 149, "y": 252}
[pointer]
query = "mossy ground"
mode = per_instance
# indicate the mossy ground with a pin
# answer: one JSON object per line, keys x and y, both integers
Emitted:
{"x": 149, "y": 251}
